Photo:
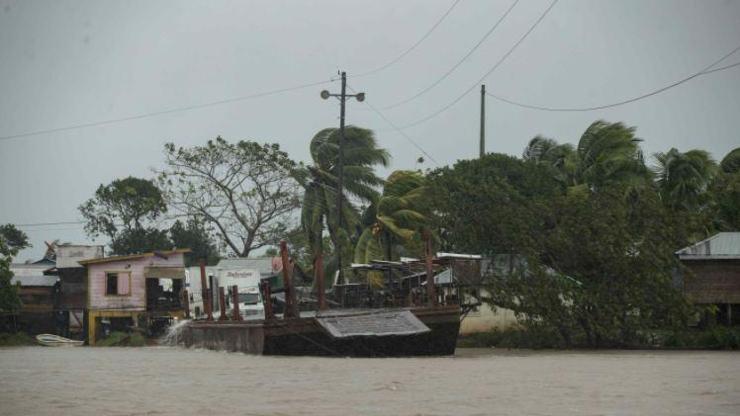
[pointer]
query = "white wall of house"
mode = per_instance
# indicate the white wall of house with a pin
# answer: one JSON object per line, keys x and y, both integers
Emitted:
{"x": 486, "y": 319}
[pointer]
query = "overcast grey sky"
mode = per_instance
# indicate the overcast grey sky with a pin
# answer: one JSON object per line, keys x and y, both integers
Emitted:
{"x": 74, "y": 62}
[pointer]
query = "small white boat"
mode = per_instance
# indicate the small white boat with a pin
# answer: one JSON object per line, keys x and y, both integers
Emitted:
{"x": 51, "y": 340}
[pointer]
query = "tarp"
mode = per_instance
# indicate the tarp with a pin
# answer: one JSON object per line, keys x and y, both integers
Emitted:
{"x": 400, "y": 322}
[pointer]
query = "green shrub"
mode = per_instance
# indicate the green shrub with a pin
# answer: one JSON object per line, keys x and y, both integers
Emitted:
{"x": 535, "y": 338}
{"x": 122, "y": 339}
{"x": 16, "y": 339}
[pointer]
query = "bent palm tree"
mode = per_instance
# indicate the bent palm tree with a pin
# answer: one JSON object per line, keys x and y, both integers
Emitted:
{"x": 607, "y": 153}
{"x": 726, "y": 192}
{"x": 683, "y": 178}
{"x": 396, "y": 219}
{"x": 731, "y": 162}
{"x": 319, "y": 181}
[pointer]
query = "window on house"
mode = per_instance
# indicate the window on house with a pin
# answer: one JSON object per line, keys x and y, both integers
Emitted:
{"x": 111, "y": 283}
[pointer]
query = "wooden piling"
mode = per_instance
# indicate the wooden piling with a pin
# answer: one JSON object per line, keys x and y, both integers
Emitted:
{"x": 235, "y": 301}
{"x": 431, "y": 290}
{"x": 222, "y": 304}
{"x": 291, "y": 307}
{"x": 318, "y": 273}
{"x": 205, "y": 292}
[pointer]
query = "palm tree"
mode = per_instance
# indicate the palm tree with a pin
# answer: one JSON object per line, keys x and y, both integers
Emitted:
{"x": 395, "y": 219}
{"x": 683, "y": 178}
{"x": 607, "y": 153}
{"x": 726, "y": 192}
{"x": 731, "y": 162}
{"x": 550, "y": 152}
{"x": 319, "y": 180}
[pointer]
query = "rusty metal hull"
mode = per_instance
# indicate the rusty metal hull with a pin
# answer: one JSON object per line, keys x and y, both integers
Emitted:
{"x": 304, "y": 336}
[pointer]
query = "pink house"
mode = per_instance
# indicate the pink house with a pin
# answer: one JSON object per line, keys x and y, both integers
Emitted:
{"x": 139, "y": 290}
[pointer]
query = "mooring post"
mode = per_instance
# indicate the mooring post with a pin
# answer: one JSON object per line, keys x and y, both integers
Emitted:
{"x": 222, "y": 303}
{"x": 186, "y": 303}
{"x": 431, "y": 290}
{"x": 318, "y": 273}
{"x": 235, "y": 301}
{"x": 291, "y": 311}
{"x": 205, "y": 293}
{"x": 267, "y": 299}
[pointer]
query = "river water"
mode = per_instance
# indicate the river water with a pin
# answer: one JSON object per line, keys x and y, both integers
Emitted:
{"x": 175, "y": 381}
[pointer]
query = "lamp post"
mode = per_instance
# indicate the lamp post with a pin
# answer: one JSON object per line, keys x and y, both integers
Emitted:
{"x": 340, "y": 159}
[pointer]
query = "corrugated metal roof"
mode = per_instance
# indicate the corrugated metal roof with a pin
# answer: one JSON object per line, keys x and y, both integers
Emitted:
{"x": 719, "y": 246}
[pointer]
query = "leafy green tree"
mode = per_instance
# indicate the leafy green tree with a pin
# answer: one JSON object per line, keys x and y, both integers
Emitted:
{"x": 244, "y": 190}
{"x": 492, "y": 205}
{"x": 12, "y": 240}
{"x": 319, "y": 180}
{"x": 141, "y": 240}
{"x": 194, "y": 235}
{"x": 683, "y": 179}
{"x": 126, "y": 211}
{"x": 594, "y": 267}
{"x": 621, "y": 253}
{"x": 396, "y": 219}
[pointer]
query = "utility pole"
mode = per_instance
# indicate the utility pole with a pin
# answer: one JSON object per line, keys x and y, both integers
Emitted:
{"x": 340, "y": 157}
{"x": 482, "y": 120}
{"x": 340, "y": 172}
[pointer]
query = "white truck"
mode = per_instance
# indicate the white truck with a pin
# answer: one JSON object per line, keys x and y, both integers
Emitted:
{"x": 250, "y": 298}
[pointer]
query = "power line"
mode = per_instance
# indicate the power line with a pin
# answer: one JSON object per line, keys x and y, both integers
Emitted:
{"x": 406, "y": 52}
{"x": 401, "y": 132}
{"x": 722, "y": 68}
{"x": 230, "y": 100}
{"x": 39, "y": 224}
{"x": 37, "y": 230}
{"x": 162, "y": 112}
{"x": 705, "y": 71}
{"x": 490, "y": 70}
{"x": 457, "y": 65}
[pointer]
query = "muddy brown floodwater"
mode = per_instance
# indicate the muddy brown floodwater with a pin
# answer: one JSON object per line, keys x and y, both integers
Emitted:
{"x": 174, "y": 381}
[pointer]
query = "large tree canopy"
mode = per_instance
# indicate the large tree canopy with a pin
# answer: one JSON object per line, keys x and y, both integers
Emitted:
{"x": 245, "y": 190}
{"x": 12, "y": 240}
{"x": 593, "y": 266}
{"x": 127, "y": 211}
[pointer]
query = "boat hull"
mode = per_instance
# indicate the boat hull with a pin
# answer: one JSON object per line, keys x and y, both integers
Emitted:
{"x": 305, "y": 336}
{"x": 51, "y": 340}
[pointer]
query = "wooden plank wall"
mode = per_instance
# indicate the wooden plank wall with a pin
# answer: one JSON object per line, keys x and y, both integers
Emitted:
{"x": 713, "y": 281}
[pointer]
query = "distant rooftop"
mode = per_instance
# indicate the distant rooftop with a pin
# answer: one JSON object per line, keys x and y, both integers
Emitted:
{"x": 267, "y": 266}
{"x": 162, "y": 253}
{"x": 34, "y": 280}
{"x": 722, "y": 246}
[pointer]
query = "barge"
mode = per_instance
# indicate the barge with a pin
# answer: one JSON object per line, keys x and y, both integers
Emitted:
{"x": 404, "y": 316}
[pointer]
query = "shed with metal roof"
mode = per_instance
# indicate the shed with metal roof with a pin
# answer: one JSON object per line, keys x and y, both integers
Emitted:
{"x": 715, "y": 274}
